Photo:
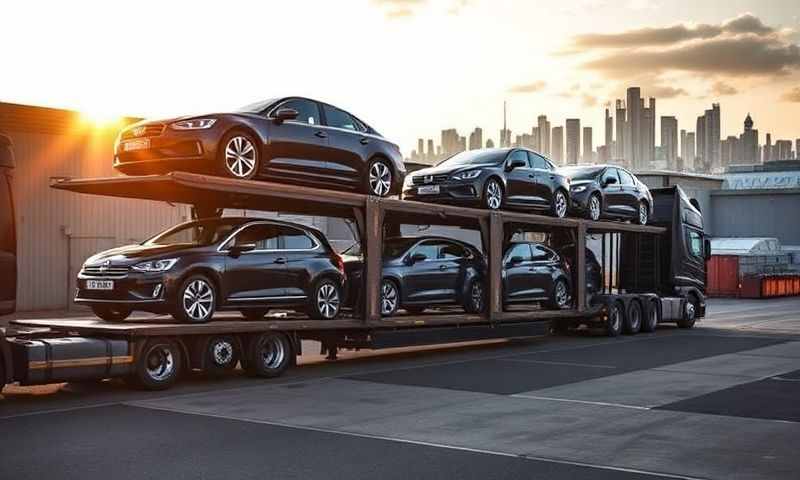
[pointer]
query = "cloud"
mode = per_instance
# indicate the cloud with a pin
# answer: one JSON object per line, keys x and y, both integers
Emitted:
{"x": 665, "y": 91}
{"x": 792, "y": 95}
{"x": 458, "y": 5}
{"x": 721, "y": 88}
{"x": 588, "y": 100}
{"x": 532, "y": 87}
{"x": 396, "y": 9}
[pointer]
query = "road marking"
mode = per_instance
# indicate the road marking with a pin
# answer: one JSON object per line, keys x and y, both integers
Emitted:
{"x": 419, "y": 442}
{"x": 570, "y": 364}
{"x": 59, "y": 410}
{"x": 586, "y": 402}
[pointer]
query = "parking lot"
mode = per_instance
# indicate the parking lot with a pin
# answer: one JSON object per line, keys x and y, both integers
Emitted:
{"x": 717, "y": 401}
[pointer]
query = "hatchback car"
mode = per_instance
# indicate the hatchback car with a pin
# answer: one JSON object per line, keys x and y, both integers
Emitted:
{"x": 420, "y": 272}
{"x": 289, "y": 139}
{"x": 493, "y": 178}
{"x": 229, "y": 263}
{"x": 608, "y": 191}
{"x": 532, "y": 272}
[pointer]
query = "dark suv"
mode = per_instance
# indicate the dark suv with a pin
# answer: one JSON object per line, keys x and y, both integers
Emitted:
{"x": 289, "y": 139}
{"x": 229, "y": 263}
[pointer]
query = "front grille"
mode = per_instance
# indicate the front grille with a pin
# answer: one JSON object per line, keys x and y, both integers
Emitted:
{"x": 149, "y": 130}
{"x": 101, "y": 271}
{"x": 421, "y": 179}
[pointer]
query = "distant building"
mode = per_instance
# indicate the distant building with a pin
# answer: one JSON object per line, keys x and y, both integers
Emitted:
{"x": 669, "y": 140}
{"x": 489, "y": 143}
{"x": 505, "y": 138}
{"x": 728, "y": 150}
{"x": 700, "y": 141}
{"x": 633, "y": 127}
{"x": 431, "y": 151}
{"x": 588, "y": 149}
{"x": 689, "y": 159}
{"x": 711, "y": 138}
{"x": 557, "y": 145}
{"x": 451, "y": 142}
{"x": 609, "y": 137}
{"x": 420, "y": 152}
{"x": 783, "y": 150}
{"x": 476, "y": 139}
{"x": 747, "y": 152}
{"x": 619, "y": 144}
{"x": 573, "y": 140}
{"x": 768, "y": 148}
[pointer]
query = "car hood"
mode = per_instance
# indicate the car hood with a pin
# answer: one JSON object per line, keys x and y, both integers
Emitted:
{"x": 130, "y": 254}
{"x": 450, "y": 169}
{"x": 576, "y": 183}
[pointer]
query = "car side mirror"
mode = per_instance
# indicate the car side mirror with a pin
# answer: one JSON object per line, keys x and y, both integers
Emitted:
{"x": 284, "y": 114}
{"x": 237, "y": 250}
{"x": 515, "y": 260}
{"x": 609, "y": 181}
{"x": 417, "y": 257}
{"x": 707, "y": 249}
{"x": 516, "y": 163}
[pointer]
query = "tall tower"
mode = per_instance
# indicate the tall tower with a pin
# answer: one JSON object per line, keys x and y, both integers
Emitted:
{"x": 609, "y": 140}
{"x": 573, "y": 140}
{"x": 633, "y": 127}
{"x": 620, "y": 119}
{"x": 669, "y": 140}
{"x": 651, "y": 140}
{"x": 700, "y": 140}
{"x": 588, "y": 149}
{"x": 557, "y": 145}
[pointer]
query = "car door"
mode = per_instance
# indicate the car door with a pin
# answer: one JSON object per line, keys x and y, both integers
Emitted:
{"x": 516, "y": 274}
{"x": 544, "y": 177}
{"x": 422, "y": 279}
{"x": 542, "y": 269}
{"x": 630, "y": 193}
{"x": 297, "y": 149}
{"x": 299, "y": 249}
{"x": 520, "y": 182}
{"x": 452, "y": 268}
{"x": 613, "y": 196}
{"x": 260, "y": 275}
{"x": 349, "y": 147}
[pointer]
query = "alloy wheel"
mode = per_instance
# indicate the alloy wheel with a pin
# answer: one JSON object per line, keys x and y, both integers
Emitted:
{"x": 388, "y": 298}
{"x": 240, "y": 156}
{"x": 160, "y": 363}
{"x": 561, "y": 204}
{"x": 594, "y": 208}
{"x": 562, "y": 296}
{"x": 328, "y": 300}
{"x": 272, "y": 353}
{"x": 494, "y": 195}
{"x": 198, "y": 300}
{"x": 690, "y": 311}
{"x": 476, "y": 295}
{"x": 642, "y": 214}
{"x": 615, "y": 319}
{"x": 380, "y": 179}
{"x": 223, "y": 352}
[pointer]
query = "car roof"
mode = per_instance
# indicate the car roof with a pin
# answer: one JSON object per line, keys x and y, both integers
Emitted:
{"x": 240, "y": 220}
{"x": 417, "y": 239}
{"x": 300, "y": 97}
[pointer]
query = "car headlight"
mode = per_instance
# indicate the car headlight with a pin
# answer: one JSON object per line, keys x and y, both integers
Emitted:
{"x": 579, "y": 188}
{"x": 407, "y": 182}
{"x": 196, "y": 124}
{"x": 156, "y": 265}
{"x": 468, "y": 175}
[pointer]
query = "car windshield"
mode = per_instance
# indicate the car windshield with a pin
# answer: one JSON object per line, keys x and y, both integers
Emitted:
{"x": 199, "y": 233}
{"x": 394, "y": 247}
{"x": 257, "y": 107}
{"x": 476, "y": 157}
{"x": 580, "y": 173}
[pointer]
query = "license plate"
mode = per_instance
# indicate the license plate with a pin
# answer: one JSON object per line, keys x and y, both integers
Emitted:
{"x": 140, "y": 144}
{"x": 428, "y": 190}
{"x": 99, "y": 284}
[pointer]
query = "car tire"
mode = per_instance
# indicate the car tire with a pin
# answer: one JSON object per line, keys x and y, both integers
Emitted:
{"x": 594, "y": 208}
{"x": 390, "y": 298}
{"x": 193, "y": 304}
{"x": 475, "y": 299}
{"x": 614, "y": 320}
{"x": 560, "y": 204}
{"x": 559, "y": 295}
{"x": 239, "y": 156}
{"x": 268, "y": 354}
{"x": 254, "y": 314}
{"x": 221, "y": 355}
{"x": 326, "y": 301}
{"x": 414, "y": 310}
{"x": 651, "y": 318}
{"x": 158, "y": 365}
{"x": 111, "y": 313}
{"x": 379, "y": 178}
{"x": 643, "y": 214}
{"x": 689, "y": 313}
{"x": 633, "y": 318}
{"x": 493, "y": 196}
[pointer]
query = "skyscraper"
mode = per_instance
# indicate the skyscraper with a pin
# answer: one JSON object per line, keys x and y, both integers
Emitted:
{"x": 421, "y": 149}
{"x": 609, "y": 140}
{"x": 747, "y": 153}
{"x": 557, "y": 145}
{"x": 451, "y": 142}
{"x": 633, "y": 127}
{"x": 669, "y": 140}
{"x": 783, "y": 150}
{"x": 619, "y": 153}
{"x": 768, "y": 148}
{"x": 651, "y": 139}
{"x": 476, "y": 139}
{"x": 711, "y": 142}
{"x": 688, "y": 160}
{"x": 683, "y": 145}
{"x": 647, "y": 136}
{"x": 588, "y": 149}
{"x": 543, "y": 131}
{"x": 700, "y": 135}
{"x": 573, "y": 140}
{"x": 431, "y": 152}
{"x": 728, "y": 151}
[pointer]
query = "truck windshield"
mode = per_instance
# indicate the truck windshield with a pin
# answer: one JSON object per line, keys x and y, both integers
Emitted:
{"x": 580, "y": 173}
{"x": 476, "y": 157}
{"x": 199, "y": 233}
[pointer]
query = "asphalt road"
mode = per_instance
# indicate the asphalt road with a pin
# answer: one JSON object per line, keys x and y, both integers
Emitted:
{"x": 717, "y": 401}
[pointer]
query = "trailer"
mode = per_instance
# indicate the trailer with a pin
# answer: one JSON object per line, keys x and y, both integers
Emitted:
{"x": 650, "y": 275}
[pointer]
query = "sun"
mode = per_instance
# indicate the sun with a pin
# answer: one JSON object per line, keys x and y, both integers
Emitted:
{"x": 100, "y": 116}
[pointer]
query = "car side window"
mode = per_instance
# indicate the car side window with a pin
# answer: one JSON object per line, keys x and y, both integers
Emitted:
{"x": 625, "y": 178}
{"x": 451, "y": 251}
{"x": 537, "y": 161}
{"x": 522, "y": 250}
{"x": 609, "y": 173}
{"x": 518, "y": 155}
{"x": 264, "y": 236}
{"x": 429, "y": 249}
{"x": 341, "y": 119}
{"x": 295, "y": 239}
{"x": 541, "y": 253}
{"x": 695, "y": 243}
{"x": 307, "y": 110}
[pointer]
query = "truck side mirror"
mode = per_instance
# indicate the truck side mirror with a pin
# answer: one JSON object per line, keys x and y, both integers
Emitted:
{"x": 707, "y": 249}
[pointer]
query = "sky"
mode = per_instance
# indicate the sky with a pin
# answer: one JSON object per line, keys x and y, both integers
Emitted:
{"x": 411, "y": 68}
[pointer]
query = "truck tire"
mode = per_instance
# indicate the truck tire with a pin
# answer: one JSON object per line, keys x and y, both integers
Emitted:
{"x": 689, "y": 313}
{"x": 269, "y": 354}
{"x": 651, "y": 317}
{"x": 615, "y": 318}
{"x": 633, "y": 318}
{"x": 111, "y": 313}
{"x": 158, "y": 365}
{"x": 221, "y": 355}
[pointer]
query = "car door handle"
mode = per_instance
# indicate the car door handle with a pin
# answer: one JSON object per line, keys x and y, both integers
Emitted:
{"x": 364, "y": 141}
{"x": 321, "y": 134}
{"x": 443, "y": 267}
{"x": 280, "y": 260}
{"x": 531, "y": 176}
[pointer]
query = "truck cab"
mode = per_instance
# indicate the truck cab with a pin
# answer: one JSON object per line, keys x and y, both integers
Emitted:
{"x": 8, "y": 238}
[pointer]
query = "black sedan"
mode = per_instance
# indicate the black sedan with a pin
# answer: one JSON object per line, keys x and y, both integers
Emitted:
{"x": 290, "y": 139}
{"x": 493, "y": 178}
{"x": 608, "y": 191}
{"x": 229, "y": 263}
{"x": 420, "y": 272}
{"x": 533, "y": 272}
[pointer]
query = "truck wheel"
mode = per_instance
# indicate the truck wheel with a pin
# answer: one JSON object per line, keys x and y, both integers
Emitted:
{"x": 326, "y": 300}
{"x": 269, "y": 354}
{"x": 689, "y": 313}
{"x": 158, "y": 365}
{"x": 196, "y": 300}
{"x": 111, "y": 313}
{"x": 633, "y": 318}
{"x": 650, "y": 320}
{"x": 475, "y": 301}
{"x": 390, "y": 298}
{"x": 614, "y": 321}
{"x": 559, "y": 296}
{"x": 221, "y": 355}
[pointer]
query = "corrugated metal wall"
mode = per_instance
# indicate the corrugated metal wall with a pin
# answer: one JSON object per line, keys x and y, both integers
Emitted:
{"x": 757, "y": 213}
{"x": 49, "y": 222}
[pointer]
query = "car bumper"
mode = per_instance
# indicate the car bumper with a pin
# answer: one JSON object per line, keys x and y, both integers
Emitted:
{"x": 135, "y": 288}
{"x": 579, "y": 201}
{"x": 192, "y": 151}
{"x": 462, "y": 193}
